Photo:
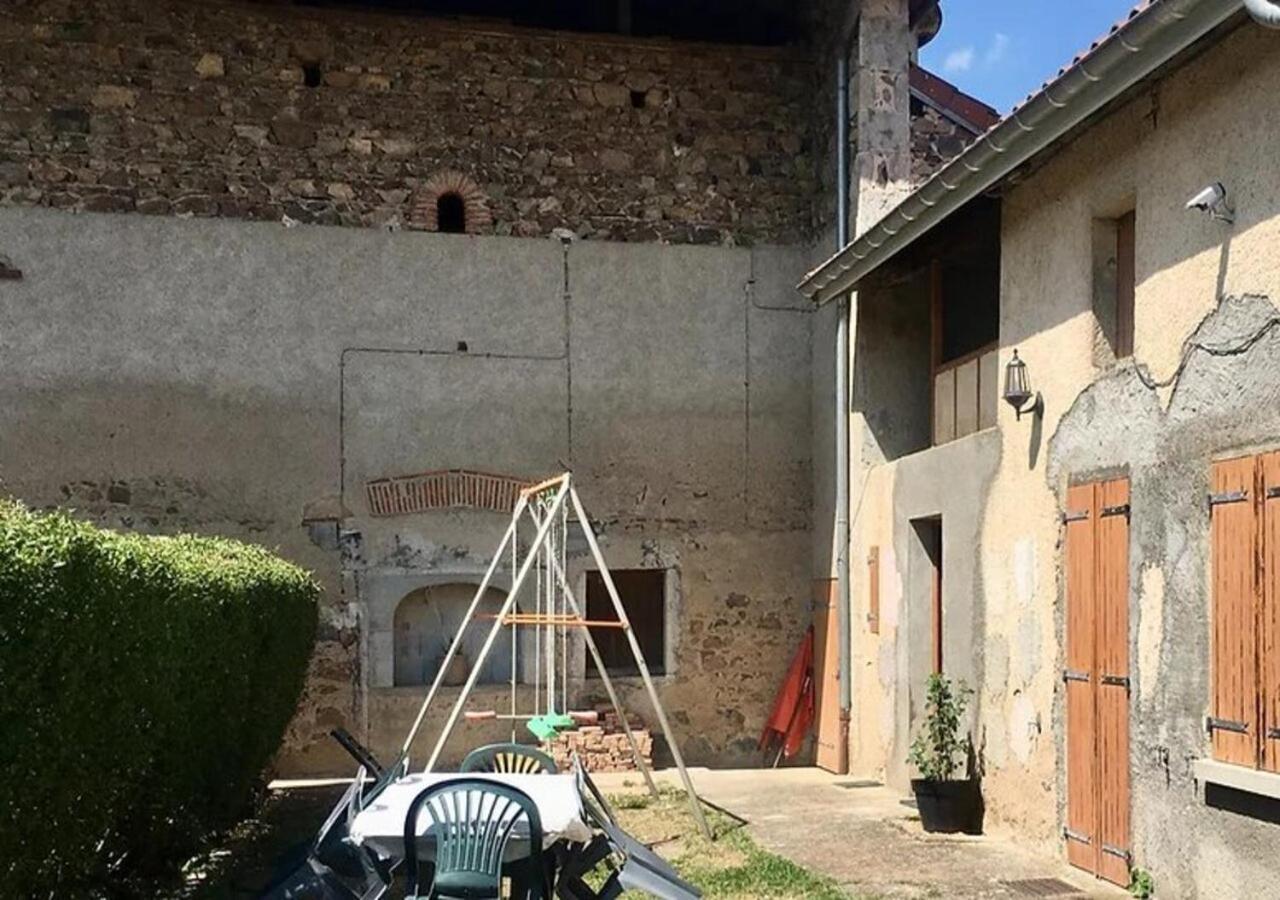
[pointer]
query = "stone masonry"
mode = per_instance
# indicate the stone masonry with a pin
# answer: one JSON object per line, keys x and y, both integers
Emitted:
{"x": 257, "y": 112}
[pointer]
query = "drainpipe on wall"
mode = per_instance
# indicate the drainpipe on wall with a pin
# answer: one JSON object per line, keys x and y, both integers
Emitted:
{"x": 1264, "y": 12}
{"x": 843, "y": 613}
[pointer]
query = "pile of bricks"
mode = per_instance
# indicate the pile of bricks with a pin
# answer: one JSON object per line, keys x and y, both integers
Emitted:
{"x": 602, "y": 747}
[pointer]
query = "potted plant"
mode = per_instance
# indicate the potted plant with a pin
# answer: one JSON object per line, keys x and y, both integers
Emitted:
{"x": 459, "y": 666}
{"x": 947, "y": 803}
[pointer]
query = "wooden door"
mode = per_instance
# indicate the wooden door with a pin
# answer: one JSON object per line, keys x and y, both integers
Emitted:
{"x": 826, "y": 667}
{"x": 1097, "y": 679}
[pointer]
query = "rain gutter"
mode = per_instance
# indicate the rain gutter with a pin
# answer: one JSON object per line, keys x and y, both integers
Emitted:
{"x": 1154, "y": 36}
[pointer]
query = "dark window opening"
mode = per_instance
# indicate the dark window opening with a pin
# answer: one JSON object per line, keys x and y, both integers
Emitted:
{"x": 637, "y": 99}
{"x": 311, "y": 75}
{"x": 451, "y": 214}
{"x": 1115, "y": 281}
{"x": 927, "y": 583}
{"x": 644, "y": 596}
{"x": 970, "y": 309}
{"x": 462, "y": 346}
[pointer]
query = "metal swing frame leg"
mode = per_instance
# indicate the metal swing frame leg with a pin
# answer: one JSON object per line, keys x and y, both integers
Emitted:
{"x": 604, "y": 675}
{"x": 507, "y": 538}
{"x": 694, "y": 804}
{"x": 498, "y": 623}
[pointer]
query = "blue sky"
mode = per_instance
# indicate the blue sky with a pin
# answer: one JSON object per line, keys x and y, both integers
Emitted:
{"x": 1001, "y": 50}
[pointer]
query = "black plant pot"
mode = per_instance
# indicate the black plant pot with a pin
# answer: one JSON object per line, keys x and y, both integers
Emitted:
{"x": 949, "y": 806}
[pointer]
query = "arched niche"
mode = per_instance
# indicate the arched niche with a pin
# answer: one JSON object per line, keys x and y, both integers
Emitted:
{"x": 424, "y": 624}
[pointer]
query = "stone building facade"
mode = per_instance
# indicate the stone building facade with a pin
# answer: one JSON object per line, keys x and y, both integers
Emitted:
{"x": 966, "y": 546}
{"x": 236, "y": 310}
{"x": 339, "y": 118}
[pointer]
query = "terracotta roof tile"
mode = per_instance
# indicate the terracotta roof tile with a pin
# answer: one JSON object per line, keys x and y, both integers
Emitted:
{"x": 947, "y": 96}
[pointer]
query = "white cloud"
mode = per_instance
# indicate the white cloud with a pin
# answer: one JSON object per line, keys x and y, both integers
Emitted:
{"x": 960, "y": 60}
{"x": 999, "y": 47}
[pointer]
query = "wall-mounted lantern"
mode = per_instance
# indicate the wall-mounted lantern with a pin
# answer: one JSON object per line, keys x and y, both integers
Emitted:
{"x": 1017, "y": 388}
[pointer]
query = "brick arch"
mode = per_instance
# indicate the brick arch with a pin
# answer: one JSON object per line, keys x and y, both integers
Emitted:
{"x": 474, "y": 202}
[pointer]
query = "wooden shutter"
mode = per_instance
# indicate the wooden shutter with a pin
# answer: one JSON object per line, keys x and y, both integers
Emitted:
{"x": 873, "y": 590}
{"x": 1234, "y": 507}
{"x": 1270, "y": 617}
{"x": 1097, "y": 678}
{"x": 1111, "y": 671}
{"x": 1082, "y": 782}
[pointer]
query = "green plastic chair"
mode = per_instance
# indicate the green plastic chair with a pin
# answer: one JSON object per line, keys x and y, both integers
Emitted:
{"x": 472, "y": 821}
{"x": 516, "y": 759}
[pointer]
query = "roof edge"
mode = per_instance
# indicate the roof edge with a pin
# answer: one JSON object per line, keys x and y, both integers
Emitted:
{"x": 1151, "y": 38}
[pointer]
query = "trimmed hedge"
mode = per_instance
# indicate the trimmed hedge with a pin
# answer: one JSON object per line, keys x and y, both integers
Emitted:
{"x": 145, "y": 683}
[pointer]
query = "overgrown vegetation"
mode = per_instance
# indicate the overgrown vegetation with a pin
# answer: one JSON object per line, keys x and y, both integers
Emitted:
{"x": 940, "y": 748}
{"x": 146, "y": 683}
{"x": 732, "y": 867}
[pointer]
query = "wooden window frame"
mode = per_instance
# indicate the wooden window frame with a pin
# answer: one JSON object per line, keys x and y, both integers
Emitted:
{"x": 1126, "y": 282}
{"x": 937, "y": 366}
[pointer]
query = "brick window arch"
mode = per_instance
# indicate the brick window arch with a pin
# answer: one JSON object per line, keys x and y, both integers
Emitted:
{"x": 451, "y": 202}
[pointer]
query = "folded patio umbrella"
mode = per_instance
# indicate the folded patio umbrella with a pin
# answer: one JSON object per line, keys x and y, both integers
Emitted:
{"x": 793, "y": 709}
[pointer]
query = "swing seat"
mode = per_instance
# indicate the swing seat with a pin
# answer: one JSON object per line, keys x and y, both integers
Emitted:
{"x": 546, "y": 727}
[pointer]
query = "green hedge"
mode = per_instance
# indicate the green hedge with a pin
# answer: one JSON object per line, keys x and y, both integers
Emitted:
{"x": 145, "y": 683}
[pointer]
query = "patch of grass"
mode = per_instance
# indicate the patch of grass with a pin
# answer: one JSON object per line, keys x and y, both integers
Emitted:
{"x": 731, "y": 867}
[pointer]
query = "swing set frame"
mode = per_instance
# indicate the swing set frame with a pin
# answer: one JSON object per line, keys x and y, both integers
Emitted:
{"x": 548, "y": 507}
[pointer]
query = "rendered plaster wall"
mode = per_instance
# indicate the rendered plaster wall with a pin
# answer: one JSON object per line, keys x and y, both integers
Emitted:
{"x": 230, "y": 377}
{"x": 1205, "y": 337}
{"x": 1204, "y": 387}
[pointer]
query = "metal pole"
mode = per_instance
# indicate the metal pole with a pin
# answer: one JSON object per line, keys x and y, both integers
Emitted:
{"x": 493, "y": 632}
{"x": 457, "y": 638}
{"x": 694, "y": 803}
{"x": 844, "y": 614}
{"x": 604, "y": 675}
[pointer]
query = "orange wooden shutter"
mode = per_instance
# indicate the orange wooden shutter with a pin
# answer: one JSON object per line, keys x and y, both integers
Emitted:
{"x": 1082, "y": 782}
{"x": 1111, "y": 677}
{"x": 1233, "y": 504}
{"x": 1270, "y": 617}
{"x": 873, "y": 589}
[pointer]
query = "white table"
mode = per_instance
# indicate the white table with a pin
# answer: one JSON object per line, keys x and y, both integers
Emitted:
{"x": 380, "y": 825}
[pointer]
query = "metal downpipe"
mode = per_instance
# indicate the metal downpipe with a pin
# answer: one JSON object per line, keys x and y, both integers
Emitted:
{"x": 843, "y": 613}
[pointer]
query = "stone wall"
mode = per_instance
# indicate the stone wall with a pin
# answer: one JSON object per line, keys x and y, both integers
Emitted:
{"x": 334, "y": 117}
{"x": 935, "y": 141}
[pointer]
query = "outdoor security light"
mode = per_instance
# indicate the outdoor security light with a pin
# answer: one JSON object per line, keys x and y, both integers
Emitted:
{"x": 1213, "y": 200}
{"x": 1017, "y": 388}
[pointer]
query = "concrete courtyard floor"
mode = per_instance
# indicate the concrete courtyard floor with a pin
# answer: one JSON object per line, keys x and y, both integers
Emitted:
{"x": 867, "y": 839}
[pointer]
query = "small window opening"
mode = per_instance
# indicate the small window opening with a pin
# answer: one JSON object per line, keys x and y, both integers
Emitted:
{"x": 637, "y": 99}
{"x": 311, "y": 75}
{"x": 1115, "y": 281}
{"x": 451, "y": 213}
{"x": 643, "y": 593}
{"x": 462, "y": 346}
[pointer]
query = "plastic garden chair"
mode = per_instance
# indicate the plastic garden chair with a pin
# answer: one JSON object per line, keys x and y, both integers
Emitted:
{"x": 516, "y": 759}
{"x": 472, "y": 821}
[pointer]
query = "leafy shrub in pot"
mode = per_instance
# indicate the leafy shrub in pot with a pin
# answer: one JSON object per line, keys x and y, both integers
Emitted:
{"x": 939, "y": 752}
